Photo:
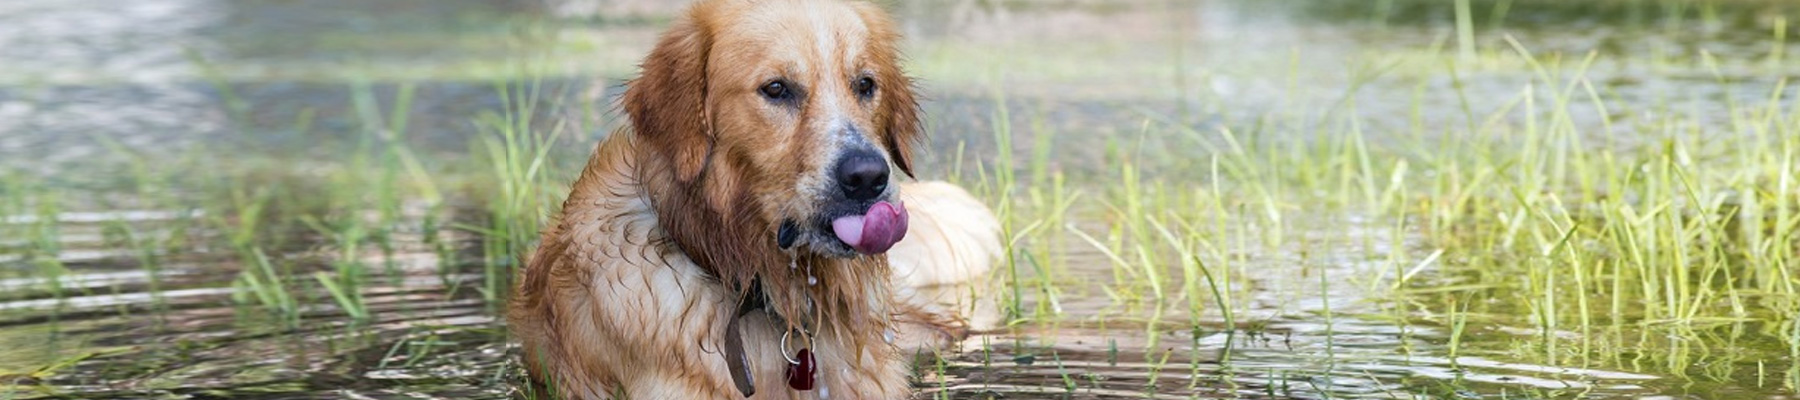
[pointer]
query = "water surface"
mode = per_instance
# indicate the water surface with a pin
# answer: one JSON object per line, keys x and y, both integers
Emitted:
{"x": 113, "y": 285}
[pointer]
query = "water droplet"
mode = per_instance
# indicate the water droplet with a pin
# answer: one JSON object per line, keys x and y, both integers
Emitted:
{"x": 824, "y": 392}
{"x": 811, "y": 280}
{"x": 888, "y": 335}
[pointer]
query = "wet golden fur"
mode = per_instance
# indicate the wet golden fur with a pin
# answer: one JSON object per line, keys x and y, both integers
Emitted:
{"x": 673, "y": 218}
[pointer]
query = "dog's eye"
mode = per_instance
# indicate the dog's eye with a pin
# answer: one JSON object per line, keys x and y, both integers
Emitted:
{"x": 775, "y": 90}
{"x": 864, "y": 86}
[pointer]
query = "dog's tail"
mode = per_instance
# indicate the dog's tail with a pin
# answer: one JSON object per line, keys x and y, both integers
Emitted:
{"x": 951, "y": 238}
{"x": 951, "y": 243}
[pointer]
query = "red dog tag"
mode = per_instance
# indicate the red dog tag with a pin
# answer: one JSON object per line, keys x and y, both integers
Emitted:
{"x": 800, "y": 375}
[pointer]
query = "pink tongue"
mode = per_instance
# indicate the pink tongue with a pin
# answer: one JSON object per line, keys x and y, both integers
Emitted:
{"x": 875, "y": 231}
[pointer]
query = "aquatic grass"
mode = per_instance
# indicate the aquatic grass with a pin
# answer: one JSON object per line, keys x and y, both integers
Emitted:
{"x": 1155, "y": 373}
{"x": 365, "y": 198}
{"x": 942, "y": 366}
{"x": 344, "y": 286}
{"x": 46, "y": 241}
{"x": 516, "y": 148}
{"x": 145, "y": 251}
{"x": 240, "y": 214}
{"x": 1778, "y": 48}
{"x": 1048, "y": 199}
{"x": 386, "y": 137}
{"x": 1545, "y": 202}
{"x": 1001, "y": 189}
{"x": 1465, "y": 30}
{"x": 1459, "y": 323}
{"x": 12, "y": 205}
{"x": 1110, "y": 250}
{"x": 1029, "y": 212}
{"x": 1134, "y": 210}
{"x": 1062, "y": 371}
{"x": 1678, "y": 246}
{"x": 152, "y": 189}
{"x": 262, "y": 284}
{"x": 417, "y": 348}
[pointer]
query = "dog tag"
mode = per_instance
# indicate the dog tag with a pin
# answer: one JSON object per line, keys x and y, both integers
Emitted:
{"x": 800, "y": 374}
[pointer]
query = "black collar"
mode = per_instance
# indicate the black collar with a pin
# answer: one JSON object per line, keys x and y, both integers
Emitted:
{"x": 735, "y": 360}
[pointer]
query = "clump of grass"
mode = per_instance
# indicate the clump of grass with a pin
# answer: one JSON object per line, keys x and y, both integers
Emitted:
{"x": 1690, "y": 225}
{"x": 521, "y": 183}
{"x": 1026, "y": 213}
{"x": 1575, "y": 222}
{"x": 368, "y": 198}
{"x": 264, "y": 285}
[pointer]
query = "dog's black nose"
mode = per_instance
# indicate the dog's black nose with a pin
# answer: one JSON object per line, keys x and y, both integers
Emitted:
{"x": 862, "y": 174}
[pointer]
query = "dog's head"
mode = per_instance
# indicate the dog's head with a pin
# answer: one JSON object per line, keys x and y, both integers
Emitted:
{"x": 786, "y": 120}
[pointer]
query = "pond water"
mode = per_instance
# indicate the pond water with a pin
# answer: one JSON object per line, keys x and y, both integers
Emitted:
{"x": 114, "y": 285}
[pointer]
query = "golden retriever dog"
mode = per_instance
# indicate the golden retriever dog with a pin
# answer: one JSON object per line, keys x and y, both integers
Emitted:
{"x": 745, "y": 235}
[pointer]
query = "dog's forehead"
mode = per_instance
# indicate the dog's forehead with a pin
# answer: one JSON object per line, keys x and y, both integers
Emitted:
{"x": 796, "y": 36}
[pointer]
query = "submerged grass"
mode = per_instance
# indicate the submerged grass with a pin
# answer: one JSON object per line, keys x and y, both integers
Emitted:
{"x": 321, "y": 227}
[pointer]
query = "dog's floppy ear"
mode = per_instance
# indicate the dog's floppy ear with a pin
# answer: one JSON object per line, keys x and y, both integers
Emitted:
{"x": 899, "y": 113}
{"x": 667, "y": 102}
{"x": 902, "y": 114}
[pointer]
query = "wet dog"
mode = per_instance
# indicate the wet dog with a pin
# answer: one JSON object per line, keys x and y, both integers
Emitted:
{"x": 747, "y": 235}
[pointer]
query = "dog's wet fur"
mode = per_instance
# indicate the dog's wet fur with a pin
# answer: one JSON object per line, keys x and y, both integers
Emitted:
{"x": 740, "y": 119}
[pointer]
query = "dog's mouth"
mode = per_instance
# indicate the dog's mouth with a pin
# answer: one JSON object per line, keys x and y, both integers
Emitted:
{"x": 849, "y": 231}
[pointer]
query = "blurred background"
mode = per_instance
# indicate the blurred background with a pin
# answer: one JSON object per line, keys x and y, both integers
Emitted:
{"x": 296, "y": 199}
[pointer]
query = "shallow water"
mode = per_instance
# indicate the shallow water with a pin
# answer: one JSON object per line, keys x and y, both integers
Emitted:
{"x": 103, "y": 298}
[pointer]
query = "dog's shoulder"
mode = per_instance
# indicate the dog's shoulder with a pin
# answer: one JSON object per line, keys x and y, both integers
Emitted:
{"x": 608, "y": 225}
{"x": 605, "y": 274}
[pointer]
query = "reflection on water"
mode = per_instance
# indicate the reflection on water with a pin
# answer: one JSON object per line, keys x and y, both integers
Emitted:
{"x": 84, "y": 80}
{"x": 100, "y": 67}
{"x": 164, "y": 75}
{"x": 121, "y": 40}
